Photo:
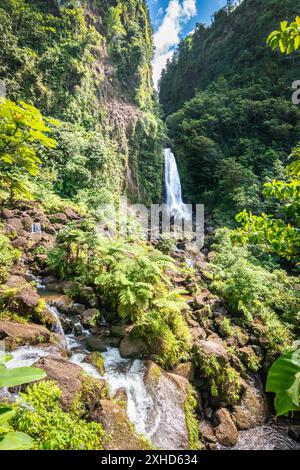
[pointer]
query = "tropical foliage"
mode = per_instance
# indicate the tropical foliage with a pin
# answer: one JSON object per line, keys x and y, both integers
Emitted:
{"x": 10, "y": 439}
{"x": 284, "y": 381}
{"x": 22, "y": 129}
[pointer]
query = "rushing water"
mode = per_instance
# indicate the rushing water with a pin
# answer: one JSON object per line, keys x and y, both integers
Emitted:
{"x": 36, "y": 228}
{"x": 268, "y": 437}
{"x": 173, "y": 185}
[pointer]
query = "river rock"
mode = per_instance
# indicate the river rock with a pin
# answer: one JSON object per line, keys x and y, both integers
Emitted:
{"x": 27, "y": 300}
{"x": 78, "y": 330}
{"x": 62, "y": 302}
{"x": 7, "y": 214}
{"x": 252, "y": 410}
{"x": 294, "y": 432}
{"x": 168, "y": 393}
{"x": 71, "y": 214}
{"x": 206, "y": 432}
{"x": 15, "y": 223}
{"x": 69, "y": 378}
{"x": 116, "y": 423}
{"x": 59, "y": 218}
{"x": 226, "y": 432}
{"x": 96, "y": 343}
{"x": 214, "y": 346}
{"x": 131, "y": 347}
{"x": 20, "y": 242}
{"x": 121, "y": 331}
{"x": 89, "y": 317}
{"x": 21, "y": 334}
{"x": 201, "y": 299}
{"x": 186, "y": 370}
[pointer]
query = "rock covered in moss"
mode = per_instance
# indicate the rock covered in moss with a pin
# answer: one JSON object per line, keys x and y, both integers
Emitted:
{"x": 21, "y": 334}
{"x": 117, "y": 425}
{"x": 252, "y": 410}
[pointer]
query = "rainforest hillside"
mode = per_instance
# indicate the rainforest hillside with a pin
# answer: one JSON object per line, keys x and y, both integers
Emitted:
{"x": 89, "y": 64}
{"x": 230, "y": 117}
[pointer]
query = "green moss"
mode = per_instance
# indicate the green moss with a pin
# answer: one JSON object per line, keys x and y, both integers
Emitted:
{"x": 190, "y": 406}
{"x": 41, "y": 417}
{"x": 225, "y": 382}
{"x": 97, "y": 360}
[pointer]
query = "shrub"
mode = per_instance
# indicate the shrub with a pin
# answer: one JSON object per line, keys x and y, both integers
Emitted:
{"x": 40, "y": 415}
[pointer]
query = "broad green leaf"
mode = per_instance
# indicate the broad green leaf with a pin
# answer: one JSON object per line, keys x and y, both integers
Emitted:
{"x": 283, "y": 404}
{"x": 5, "y": 358}
{"x": 16, "y": 441}
{"x": 20, "y": 376}
{"x": 294, "y": 391}
{"x": 6, "y": 413}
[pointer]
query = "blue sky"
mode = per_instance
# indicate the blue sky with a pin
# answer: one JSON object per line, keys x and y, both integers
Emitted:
{"x": 174, "y": 19}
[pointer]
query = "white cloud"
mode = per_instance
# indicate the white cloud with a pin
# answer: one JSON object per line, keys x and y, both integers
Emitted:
{"x": 168, "y": 35}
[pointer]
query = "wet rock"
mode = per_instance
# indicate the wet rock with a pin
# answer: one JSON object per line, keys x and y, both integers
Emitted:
{"x": 62, "y": 302}
{"x": 131, "y": 347}
{"x": 27, "y": 222}
{"x": 120, "y": 331}
{"x": 198, "y": 334}
{"x": 168, "y": 393}
{"x": 113, "y": 342}
{"x": 226, "y": 432}
{"x": 7, "y": 214}
{"x": 96, "y": 359}
{"x": 48, "y": 280}
{"x": 201, "y": 299}
{"x": 78, "y": 309}
{"x": 116, "y": 423}
{"x": 50, "y": 229}
{"x": 20, "y": 242}
{"x": 68, "y": 376}
{"x": 121, "y": 398}
{"x": 89, "y": 317}
{"x": 186, "y": 370}
{"x": 21, "y": 334}
{"x": 71, "y": 214}
{"x": 59, "y": 218}
{"x": 208, "y": 412}
{"x": 27, "y": 299}
{"x": 252, "y": 410}
{"x": 78, "y": 330}
{"x": 96, "y": 343}
{"x": 294, "y": 433}
{"x": 15, "y": 223}
{"x": 206, "y": 432}
{"x": 214, "y": 346}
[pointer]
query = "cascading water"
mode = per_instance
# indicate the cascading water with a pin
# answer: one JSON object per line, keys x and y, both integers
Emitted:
{"x": 58, "y": 326}
{"x": 173, "y": 185}
{"x": 36, "y": 228}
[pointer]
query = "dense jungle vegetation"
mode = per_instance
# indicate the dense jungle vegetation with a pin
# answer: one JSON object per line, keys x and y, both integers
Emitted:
{"x": 80, "y": 126}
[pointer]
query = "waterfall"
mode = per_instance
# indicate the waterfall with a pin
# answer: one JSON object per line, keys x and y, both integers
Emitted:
{"x": 58, "y": 326}
{"x": 36, "y": 228}
{"x": 173, "y": 185}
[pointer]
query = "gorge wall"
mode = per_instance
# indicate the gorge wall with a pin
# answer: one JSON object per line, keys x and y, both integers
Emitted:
{"x": 88, "y": 64}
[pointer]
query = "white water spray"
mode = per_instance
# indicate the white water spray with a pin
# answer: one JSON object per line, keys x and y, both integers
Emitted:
{"x": 173, "y": 186}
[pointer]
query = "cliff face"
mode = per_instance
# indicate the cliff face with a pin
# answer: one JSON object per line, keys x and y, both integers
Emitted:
{"x": 88, "y": 63}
